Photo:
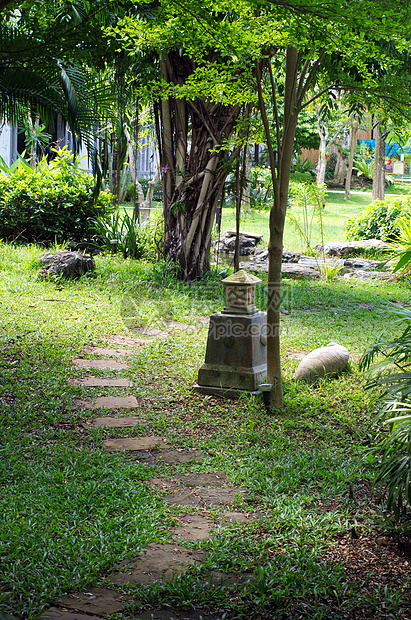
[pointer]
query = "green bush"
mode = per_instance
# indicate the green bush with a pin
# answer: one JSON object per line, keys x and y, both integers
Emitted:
{"x": 53, "y": 202}
{"x": 379, "y": 220}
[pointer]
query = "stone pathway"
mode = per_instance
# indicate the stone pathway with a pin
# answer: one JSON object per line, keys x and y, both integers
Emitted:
{"x": 200, "y": 491}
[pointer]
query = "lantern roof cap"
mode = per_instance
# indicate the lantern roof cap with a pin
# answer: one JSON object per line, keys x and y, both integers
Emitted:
{"x": 242, "y": 277}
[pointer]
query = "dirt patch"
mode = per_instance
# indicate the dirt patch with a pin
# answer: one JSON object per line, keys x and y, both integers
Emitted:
{"x": 372, "y": 560}
{"x": 125, "y": 422}
{"x": 94, "y": 600}
{"x": 135, "y": 443}
{"x": 109, "y": 402}
{"x": 100, "y": 364}
{"x": 156, "y": 562}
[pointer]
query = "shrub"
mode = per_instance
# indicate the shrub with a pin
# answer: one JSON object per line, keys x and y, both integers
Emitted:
{"x": 53, "y": 202}
{"x": 379, "y": 220}
{"x": 261, "y": 188}
{"x": 132, "y": 240}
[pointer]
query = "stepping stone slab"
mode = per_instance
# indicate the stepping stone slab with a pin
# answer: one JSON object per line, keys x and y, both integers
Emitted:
{"x": 109, "y": 402}
{"x": 217, "y": 479}
{"x": 184, "y": 327}
{"x": 238, "y": 517}
{"x": 127, "y": 341}
{"x": 124, "y": 422}
{"x": 145, "y": 457}
{"x": 60, "y": 614}
{"x": 107, "y": 351}
{"x": 156, "y": 562}
{"x": 175, "y": 457}
{"x": 219, "y": 497}
{"x": 135, "y": 443}
{"x": 152, "y": 332}
{"x": 100, "y": 364}
{"x": 181, "y": 498}
{"x": 101, "y": 382}
{"x": 175, "y": 614}
{"x": 200, "y": 495}
{"x": 193, "y": 527}
{"x": 95, "y": 600}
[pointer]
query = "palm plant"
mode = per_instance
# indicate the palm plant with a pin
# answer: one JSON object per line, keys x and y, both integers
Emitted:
{"x": 391, "y": 375}
{"x": 400, "y": 248}
{"x": 53, "y": 62}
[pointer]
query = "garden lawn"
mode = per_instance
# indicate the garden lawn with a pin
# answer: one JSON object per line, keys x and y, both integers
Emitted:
{"x": 335, "y": 216}
{"x": 70, "y": 511}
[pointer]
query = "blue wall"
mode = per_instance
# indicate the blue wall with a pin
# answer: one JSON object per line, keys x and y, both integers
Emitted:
{"x": 391, "y": 150}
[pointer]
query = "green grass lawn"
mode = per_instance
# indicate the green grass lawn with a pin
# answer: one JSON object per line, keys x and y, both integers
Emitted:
{"x": 70, "y": 511}
{"x": 335, "y": 216}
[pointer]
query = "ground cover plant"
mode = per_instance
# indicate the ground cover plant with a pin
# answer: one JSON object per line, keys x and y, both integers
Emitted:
{"x": 70, "y": 511}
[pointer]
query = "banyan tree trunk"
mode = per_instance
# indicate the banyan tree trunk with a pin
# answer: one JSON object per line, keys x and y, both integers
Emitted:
{"x": 193, "y": 137}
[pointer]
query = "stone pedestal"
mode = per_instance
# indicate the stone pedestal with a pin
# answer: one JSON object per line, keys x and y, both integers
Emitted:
{"x": 236, "y": 355}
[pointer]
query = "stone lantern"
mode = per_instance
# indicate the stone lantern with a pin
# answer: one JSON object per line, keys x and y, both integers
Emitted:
{"x": 236, "y": 355}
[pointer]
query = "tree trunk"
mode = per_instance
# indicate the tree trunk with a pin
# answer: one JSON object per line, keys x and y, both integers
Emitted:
{"x": 280, "y": 175}
{"x": 297, "y": 83}
{"x": 245, "y": 196}
{"x": 193, "y": 170}
{"x": 353, "y": 148}
{"x": 341, "y": 167}
{"x": 378, "y": 179}
{"x": 322, "y": 159}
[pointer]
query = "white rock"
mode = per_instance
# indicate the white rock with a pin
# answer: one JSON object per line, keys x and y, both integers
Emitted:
{"x": 328, "y": 360}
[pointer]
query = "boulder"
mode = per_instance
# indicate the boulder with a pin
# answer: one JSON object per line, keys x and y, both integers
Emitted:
{"x": 248, "y": 242}
{"x": 348, "y": 247}
{"x": 329, "y": 360}
{"x": 290, "y": 257}
{"x": 66, "y": 264}
{"x": 298, "y": 271}
{"x": 363, "y": 263}
{"x": 361, "y": 274}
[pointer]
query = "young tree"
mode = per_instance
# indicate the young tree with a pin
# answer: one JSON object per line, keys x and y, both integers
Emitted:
{"x": 324, "y": 117}
{"x": 353, "y": 147}
{"x": 378, "y": 178}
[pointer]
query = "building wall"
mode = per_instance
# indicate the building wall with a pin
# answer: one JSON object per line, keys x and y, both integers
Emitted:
{"x": 6, "y": 143}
